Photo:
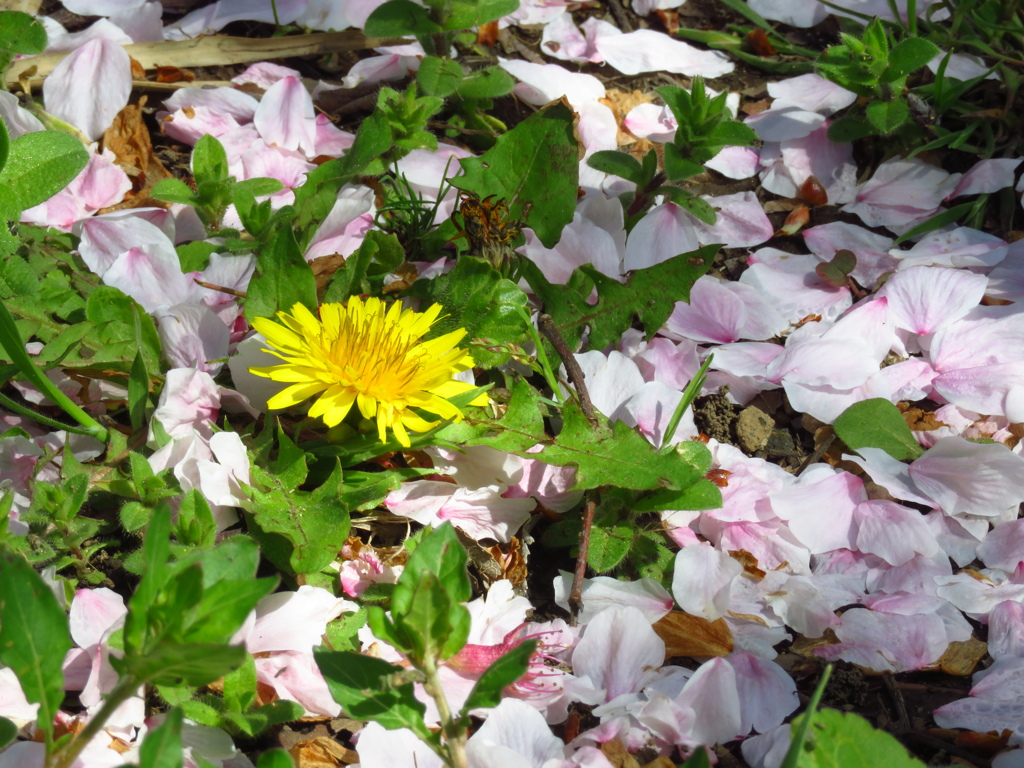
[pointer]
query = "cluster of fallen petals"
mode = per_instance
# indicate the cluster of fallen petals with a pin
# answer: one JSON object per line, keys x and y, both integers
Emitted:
{"x": 884, "y": 565}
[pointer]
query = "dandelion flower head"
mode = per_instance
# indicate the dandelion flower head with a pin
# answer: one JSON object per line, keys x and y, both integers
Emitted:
{"x": 367, "y": 354}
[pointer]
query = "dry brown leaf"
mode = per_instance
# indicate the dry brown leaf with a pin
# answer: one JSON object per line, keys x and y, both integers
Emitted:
{"x": 621, "y": 103}
{"x": 961, "y": 657}
{"x": 138, "y": 71}
{"x": 487, "y": 34}
{"x": 128, "y": 138}
{"x": 174, "y": 75}
{"x": 660, "y": 762}
{"x": 511, "y": 559}
{"x": 617, "y": 755}
{"x": 749, "y": 563}
{"x": 321, "y": 752}
{"x": 687, "y": 635}
{"x": 921, "y": 421}
{"x": 324, "y": 268}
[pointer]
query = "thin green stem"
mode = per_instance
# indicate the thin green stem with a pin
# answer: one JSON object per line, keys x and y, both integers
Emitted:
{"x": 123, "y": 691}
{"x": 542, "y": 356}
{"x": 455, "y": 735}
{"x": 46, "y": 421}
{"x": 11, "y": 341}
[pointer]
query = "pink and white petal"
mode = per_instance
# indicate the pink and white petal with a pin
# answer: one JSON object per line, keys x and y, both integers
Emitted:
{"x": 888, "y": 642}
{"x": 984, "y": 336}
{"x": 800, "y": 604}
{"x": 294, "y": 621}
{"x": 842, "y": 363}
{"x": 1003, "y": 547}
{"x": 820, "y": 509}
{"x": 99, "y": 185}
{"x": 767, "y": 692}
{"x": 331, "y": 15}
{"x": 767, "y": 750}
{"x": 994, "y": 389}
{"x": 890, "y": 473}
{"x": 265, "y": 74}
{"x": 966, "y": 478}
{"x": 649, "y": 121}
{"x": 213, "y": 18}
{"x": 802, "y": 14}
{"x": 771, "y": 543}
{"x": 562, "y": 39}
{"x": 93, "y": 613}
{"x": 711, "y": 693}
{"x": 1006, "y": 630}
{"x": 582, "y": 242}
{"x": 90, "y": 86}
{"x": 549, "y": 484}
{"x": 18, "y": 120}
{"x": 192, "y": 336}
{"x": 377, "y": 69}
{"x": 813, "y": 93}
{"x": 101, "y": 7}
{"x": 893, "y": 532}
{"x": 516, "y": 726}
{"x": 542, "y": 83}
{"x": 703, "y": 580}
{"x": 830, "y": 162}
{"x": 343, "y": 229}
{"x": 980, "y": 715}
{"x": 238, "y": 105}
{"x": 619, "y": 652}
{"x": 285, "y": 117}
{"x": 960, "y": 247}
{"x": 14, "y": 706}
{"x": 295, "y": 676}
{"x": 651, "y": 409}
{"x": 189, "y": 124}
{"x": 648, "y": 51}
{"x": 792, "y": 282}
{"x": 397, "y": 748}
{"x": 986, "y": 177}
{"x": 152, "y": 278}
{"x": 104, "y": 238}
{"x": 731, "y": 162}
{"x": 611, "y": 379}
{"x": 60, "y": 41}
{"x": 740, "y": 223}
{"x": 784, "y": 122}
{"x": 603, "y": 592}
{"x": 189, "y": 401}
{"x": 665, "y": 231}
{"x": 143, "y": 24}
{"x": 484, "y": 514}
{"x": 331, "y": 140}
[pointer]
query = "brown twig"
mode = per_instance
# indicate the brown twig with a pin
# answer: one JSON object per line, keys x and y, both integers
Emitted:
{"x": 221, "y": 288}
{"x": 576, "y": 377}
{"x": 621, "y": 17}
{"x": 576, "y": 593}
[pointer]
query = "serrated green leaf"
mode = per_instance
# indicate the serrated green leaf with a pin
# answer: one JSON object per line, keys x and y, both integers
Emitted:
{"x": 34, "y": 636}
{"x": 609, "y": 545}
{"x": 877, "y": 423}
{"x": 283, "y": 278}
{"x": 534, "y": 168}
{"x": 372, "y": 689}
{"x": 439, "y": 77}
{"x": 399, "y": 18}
{"x": 209, "y": 161}
{"x": 887, "y": 116}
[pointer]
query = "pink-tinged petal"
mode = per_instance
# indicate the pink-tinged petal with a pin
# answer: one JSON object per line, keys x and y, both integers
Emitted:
{"x": 547, "y": 483}
{"x": 900, "y": 192}
{"x": 597, "y": 127}
{"x": 665, "y": 231}
{"x": 294, "y": 621}
{"x": 733, "y": 162}
{"x": 296, "y": 677}
{"x": 331, "y": 140}
{"x": 562, "y": 39}
{"x": 99, "y": 185}
{"x": 980, "y": 715}
{"x": 792, "y": 282}
{"x": 190, "y": 400}
{"x": 820, "y": 509}
{"x": 101, "y": 7}
{"x": 740, "y": 222}
{"x": 189, "y": 124}
{"x": 603, "y": 592}
{"x": 672, "y": 363}
{"x": 967, "y": 478}
{"x": 331, "y": 15}
{"x": 813, "y": 93}
{"x": 840, "y": 363}
{"x": 619, "y": 652}
{"x": 376, "y": 69}
{"x": 584, "y": 241}
{"x": 60, "y": 41}
{"x": 265, "y": 74}
{"x": 1003, "y": 681}
{"x": 785, "y": 121}
{"x": 871, "y": 250}
{"x": 767, "y": 692}
{"x": 240, "y": 106}
{"x": 887, "y": 642}
{"x": 648, "y": 51}
{"x": 1003, "y": 547}
{"x": 104, "y": 238}
{"x": 962, "y": 66}
{"x": 890, "y": 473}
{"x": 542, "y": 83}
{"x": 649, "y": 121}
{"x": 803, "y": 14}
{"x": 192, "y": 336}
{"x": 703, "y": 580}
{"x": 984, "y": 336}
{"x": 711, "y": 693}
{"x": 767, "y": 750}
{"x": 153, "y": 279}
{"x": 960, "y": 247}
{"x": 90, "y": 86}
{"x": 800, "y": 604}
{"x": 995, "y": 389}
{"x": 893, "y": 532}
{"x": 14, "y": 706}
{"x": 380, "y": 748}
{"x": 746, "y": 358}
{"x": 1006, "y": 630}
{"x": 724, "y": 312}
{"x": 213, "y": 18}
{"x": 343, "y": 229}
{"x": 977, "y": 597}
{"x": 143, "y": 24}
{"x": 18, "y": 120}
{"x": 830, "y": 162}
{"x": 285, "y": 116}
{"x": 771, "y": 543}
{"x": 986, "y": 177}
{"x": 534, "y": 12}
{"x": 519, "y": 728}
{"x": 651, "y": 409}
{"x": 93, "y": 613}
{"x": 611, "y": 379}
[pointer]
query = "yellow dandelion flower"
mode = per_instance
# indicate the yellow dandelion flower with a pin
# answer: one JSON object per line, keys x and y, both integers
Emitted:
{"x": 366, "y": 354}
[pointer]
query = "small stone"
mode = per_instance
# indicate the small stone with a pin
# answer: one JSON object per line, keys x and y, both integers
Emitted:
{"x": 753, "y": 429}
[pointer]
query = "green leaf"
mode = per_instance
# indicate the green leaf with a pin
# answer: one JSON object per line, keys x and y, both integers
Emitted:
{"x": 472, "y": 13}
{"x": 847, "y": 740}
{"x": 191, "y": 664}
{"x": 851, "y": 127}
{"x": 257, "y": 187}
{"x": 678, "y": 167}
{"x": 476, "y": 297}
{"x": 836, "y": 272}
{"x": 298, "y": 531}
{"x": 40, "y": 165}
{"x": 8, "y": 732}
{"x": 162, "y": 746}
{"x": 372, "y": 689}
{"x": 877, "y": 423}
{"x": 34, "y": 636}
{"x": 21, "y": 33}
{"x": 399, "y": 18}
{"x": 138, "y": 392}
{"x": 649, "y": 294}
{"x": 174, "y": 191}
{"x": 195, "y": 526}
{"x": 275, "y": 758}
{"x": 439, "y": 77}
{"x": 5, "y": 148}
{"x": 425, "y": 622}
{"x": 701, "y": 495}
{"x": 234, "y": 559}
{"x": 620, "y": 164}
{"x": 283, "y": 278}
{"x": 440, "y": 554}
{"x": 209, "y": 161}
{"x": 887, "y": 116}
{"x": 610, "y": 542}
{"x": 378, "y": 254}
{"x": 503, "y": 672}
{"x": 240, "y": 687}
{"x": 909, "y": 56}
{"x": 938, "y": 221}
{"x": 534, "y": 168}
{"x": 618, "y": 456}
{"x": 487, "y": 83}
